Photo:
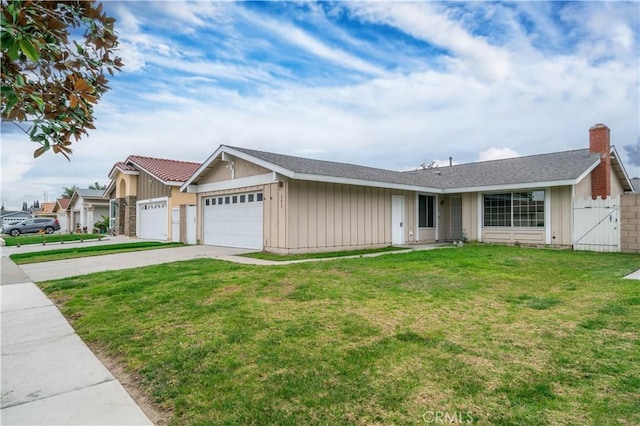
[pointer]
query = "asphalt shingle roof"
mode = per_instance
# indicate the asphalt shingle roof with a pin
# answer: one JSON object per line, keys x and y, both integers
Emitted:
{"x": 333, "y": 169}
{"x": 90, "y": 193}
{"x": 558, "y": 166}
{"x": 636, "y": 184}
{"x": 163, "y": 169}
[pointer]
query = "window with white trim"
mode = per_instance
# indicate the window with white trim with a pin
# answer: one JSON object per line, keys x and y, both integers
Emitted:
{"x": 514, "y": 209}
{"x": 426, "y": 211}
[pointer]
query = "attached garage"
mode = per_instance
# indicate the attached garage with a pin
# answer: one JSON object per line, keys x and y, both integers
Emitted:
{"x": 153, "y": 218}
{"x": 234, "y": 220}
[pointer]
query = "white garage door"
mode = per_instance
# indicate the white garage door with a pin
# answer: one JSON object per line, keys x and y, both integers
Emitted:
{"x": 153, "y": 219}
{"x": 234, "y": 220}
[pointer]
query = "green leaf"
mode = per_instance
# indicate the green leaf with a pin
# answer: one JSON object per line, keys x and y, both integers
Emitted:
{"x": 38, "y": 100}
{"x": 29, "y": 50}
{"x": 13, "y": 51}
{"x": 19, "y": 80}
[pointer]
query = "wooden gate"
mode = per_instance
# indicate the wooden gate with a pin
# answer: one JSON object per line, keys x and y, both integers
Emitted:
{"x": 596, "y": 224}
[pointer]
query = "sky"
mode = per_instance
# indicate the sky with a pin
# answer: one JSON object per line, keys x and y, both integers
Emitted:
{"x": 382, "y": 84}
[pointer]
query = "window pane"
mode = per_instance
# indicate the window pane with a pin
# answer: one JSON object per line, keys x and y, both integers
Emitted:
{"x": 431, "y": 211}
{"x": 259, "y": 196}
{"x": 530, "y": 214}
{"x": 497, "y": 209}
{"x": 422, "y": 211}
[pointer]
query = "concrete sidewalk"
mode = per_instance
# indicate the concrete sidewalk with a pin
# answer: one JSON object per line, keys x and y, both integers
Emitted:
{"x": 112, "y": 262}
{"x": 49, "y": 376}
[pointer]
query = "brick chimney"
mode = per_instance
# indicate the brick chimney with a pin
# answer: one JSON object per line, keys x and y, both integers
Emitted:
{"x": 599, "y": 143}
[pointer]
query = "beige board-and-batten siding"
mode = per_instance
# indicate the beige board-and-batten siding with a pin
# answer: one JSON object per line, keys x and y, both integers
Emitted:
{"x": 305, "y": 216}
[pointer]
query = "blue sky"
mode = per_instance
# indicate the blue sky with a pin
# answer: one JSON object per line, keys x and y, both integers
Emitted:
{"x": 384, "y": 84}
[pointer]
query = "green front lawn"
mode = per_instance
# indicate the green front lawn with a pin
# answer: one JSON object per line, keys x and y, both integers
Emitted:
{"x": 498, "y": 335}
{"x": 24, "y": 240}
{"x": 87, "y": 251}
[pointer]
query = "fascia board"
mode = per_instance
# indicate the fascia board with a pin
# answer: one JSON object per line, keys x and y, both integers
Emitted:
{"x": 510, "y": 187}
{"x": 614, "y": 153}
{"x": 202, "y": 167}
{"x": 234, "y": 184}
{"x": 588, "y": 171}
{"x": 361, "y": 182}
{"x": 259, "y": 162}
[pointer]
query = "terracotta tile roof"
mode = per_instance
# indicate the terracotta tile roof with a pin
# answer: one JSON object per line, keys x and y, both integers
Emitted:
{"x": 122, "y": 166}
{"x": 165, "y": 170}
{"x": 63, "y": 203}
{"x": 47, "y": 207}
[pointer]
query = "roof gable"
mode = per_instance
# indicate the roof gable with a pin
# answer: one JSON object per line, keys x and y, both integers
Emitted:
{"x": 169, "y": 172}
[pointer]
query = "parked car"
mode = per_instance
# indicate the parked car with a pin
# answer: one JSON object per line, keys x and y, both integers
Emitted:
{"x": 31, "y": 225}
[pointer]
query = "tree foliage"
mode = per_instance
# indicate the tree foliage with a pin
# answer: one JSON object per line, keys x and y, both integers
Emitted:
{"x": 55, "y": 55}
{"x": 97, "y": 186}
{"x": 67, "y": 191}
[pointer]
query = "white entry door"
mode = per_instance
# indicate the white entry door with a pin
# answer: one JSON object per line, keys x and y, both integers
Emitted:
{"x": 397, "y": 219}
{"x": 153, "y": 219}
{"x": 191, "y": 224}
{"x": 175, "y": 224}
{"x": 234, "y": 220}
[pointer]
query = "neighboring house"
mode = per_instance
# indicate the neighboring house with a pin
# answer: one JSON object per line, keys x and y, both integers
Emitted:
{"x": 86, "y": 207}
{"x": 284, "y": 204}
{"x": 146, "y": 201}
{"x": 46, "y": 210}
{"x": 10, "y": 217}
{"x": 60, "y": 210}
{"x": 636, "y": 184}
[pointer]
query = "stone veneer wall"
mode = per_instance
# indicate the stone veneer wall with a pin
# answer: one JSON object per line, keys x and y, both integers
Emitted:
{"x": 630, "y": 223}
{"x": 130, "y": 216}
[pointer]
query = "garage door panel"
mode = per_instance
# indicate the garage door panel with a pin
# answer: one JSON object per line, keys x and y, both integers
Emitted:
{"x": 153, "y": 220}
{"x": 233, "y": 224}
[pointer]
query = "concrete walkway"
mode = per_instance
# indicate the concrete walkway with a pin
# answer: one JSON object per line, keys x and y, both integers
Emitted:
{"x": 634, "y": 275}
{"x": 49, "y": 376}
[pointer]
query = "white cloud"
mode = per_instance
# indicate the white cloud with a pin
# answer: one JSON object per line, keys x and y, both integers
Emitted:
{"x": 497, "y": 154}
{"x": 494, "y": 100}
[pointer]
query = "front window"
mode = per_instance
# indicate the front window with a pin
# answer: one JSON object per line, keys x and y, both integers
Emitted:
{"x": 426, "y": 211}
{"x": 515, "y": 209}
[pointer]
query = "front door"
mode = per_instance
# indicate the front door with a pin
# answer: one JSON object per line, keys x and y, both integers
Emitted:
{"x": 456, "y": 218}
{"x": 397, "y": 219}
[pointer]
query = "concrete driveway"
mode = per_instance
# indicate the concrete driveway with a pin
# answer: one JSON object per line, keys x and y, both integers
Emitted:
{"x": 111, "y": 262}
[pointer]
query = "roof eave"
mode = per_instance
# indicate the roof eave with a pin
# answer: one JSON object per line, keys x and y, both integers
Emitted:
{"x": 621, "y": 172}
{"x": 362, "y": 182}
{"x": 509, "y": 187}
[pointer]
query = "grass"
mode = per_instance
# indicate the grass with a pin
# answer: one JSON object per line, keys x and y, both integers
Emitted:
{"x": 75, "y": 252}
{"x": 24, "y": 240}
{"x": 303, "y": 256}
{"x": 504, "y": 335}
